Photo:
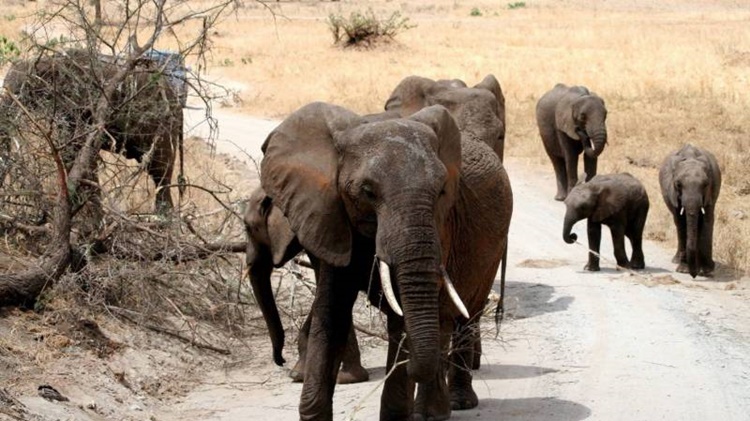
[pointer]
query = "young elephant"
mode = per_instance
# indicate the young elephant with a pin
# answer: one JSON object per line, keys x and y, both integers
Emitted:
{"x": 618, "y": 201}
{"x": 571, "y": 120}
{"x": 271, "y": 243}
{"x": 690, "y": 181}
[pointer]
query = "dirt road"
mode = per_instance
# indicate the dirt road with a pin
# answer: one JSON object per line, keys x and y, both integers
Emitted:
{"x": 577, "y": 345}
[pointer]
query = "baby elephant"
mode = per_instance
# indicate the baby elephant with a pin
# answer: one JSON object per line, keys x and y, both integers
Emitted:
{"x": 618, "y": 201}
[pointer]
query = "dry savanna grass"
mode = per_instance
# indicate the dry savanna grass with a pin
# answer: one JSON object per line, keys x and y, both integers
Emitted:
{"x": 671, "y": 73}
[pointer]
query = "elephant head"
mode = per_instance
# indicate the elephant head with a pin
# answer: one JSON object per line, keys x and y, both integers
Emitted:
{"x": 590, "y": 199}
{"x": 582, "y": 115}
{"x": 479, "y": 111}
{"x": 691, "y": 185}
{"x": 334, "y": 174}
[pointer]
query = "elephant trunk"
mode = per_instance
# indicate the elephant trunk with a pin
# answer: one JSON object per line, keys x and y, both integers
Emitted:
{"x": 691, "y": 246}
{"x": 260, "y": 269}
{"x": 596, "y": 139}
{"x": 568, "y": 236}
{"x": 414, "y": 250}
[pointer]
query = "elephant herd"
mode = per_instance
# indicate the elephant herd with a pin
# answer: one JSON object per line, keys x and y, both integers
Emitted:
{"x": 413, "y": 206}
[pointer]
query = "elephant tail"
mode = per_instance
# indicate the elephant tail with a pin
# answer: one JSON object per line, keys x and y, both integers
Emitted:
{"x": 500, "y": 308}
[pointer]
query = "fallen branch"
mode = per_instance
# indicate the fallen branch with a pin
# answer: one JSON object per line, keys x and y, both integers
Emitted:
{"x": 368, "y": 332}
{"x": 166, "y": 331}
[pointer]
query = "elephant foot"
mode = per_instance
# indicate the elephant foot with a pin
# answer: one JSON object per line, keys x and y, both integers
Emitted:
{"x": 682, "y": 268}
{"x": 560, "y": 196}
{"x": 423, "y": 417}
{"x": 707, "y": 272}
{"x": 636, "y": 265}
{"x": 592, "y": 267}
{"x": 677, "y": 257}
{"x": 298, "y": 372}
{"x": 624, "y": 265}
{"x": 349, "y": 375}
{"x": 464, "y": 399}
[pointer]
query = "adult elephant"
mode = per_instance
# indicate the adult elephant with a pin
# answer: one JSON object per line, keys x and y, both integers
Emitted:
{"x": 478, "y": 111}
{"x": 571, "y": 120}
{"x": 690, "y": 181}
{"x": 272, "y": 244}
{"x": 63, "y": 88}
{"x": 353, "y": 199}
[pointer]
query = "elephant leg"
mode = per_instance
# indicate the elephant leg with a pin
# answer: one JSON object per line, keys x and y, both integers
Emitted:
{"x": 561, "y": 176}
{"x": 571, "y": 167}
{"x": 331, "y": 318}
{"x": 351, "y": 365}
{"x": 433, "y": 402}
{"x": 298, "y": 371}
{"x": 477, "y": 346}
{"x": 160, "y": 169}
{"x": 618, "y": 243}
{"x": 681, "y": 226}
{"x": 594, "y": 230}
{"x": 637, "y": 261}
{"x": 589, "y": 166}
{"x": 397, "y": 398}
{"x": 461, "y": 360}
{"x": 705, "y": 244}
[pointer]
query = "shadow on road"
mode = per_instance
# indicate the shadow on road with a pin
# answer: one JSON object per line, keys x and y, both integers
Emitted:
{"x": 525, "y": 409}
{"x": 524, "y": 300}
{"x": 509, "y": 371}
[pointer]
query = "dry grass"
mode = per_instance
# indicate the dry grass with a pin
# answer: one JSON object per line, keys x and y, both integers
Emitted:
{"x": 670, "y": 73}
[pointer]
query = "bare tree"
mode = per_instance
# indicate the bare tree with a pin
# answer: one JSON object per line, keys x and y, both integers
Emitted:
{"x": 123, "y": 33}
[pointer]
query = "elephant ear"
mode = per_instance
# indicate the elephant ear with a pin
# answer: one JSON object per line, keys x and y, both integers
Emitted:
{"x": 491, "y": 84}
{"x": 565, "y": 115}
{"x": 411, "y": 95}
{"x": 448, "y": 146}
{"x": 607, "y": 203}
{"x": 299, "y": 171}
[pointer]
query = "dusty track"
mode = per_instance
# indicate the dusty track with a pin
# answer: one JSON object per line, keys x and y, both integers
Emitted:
{"x": 578, "y": 345}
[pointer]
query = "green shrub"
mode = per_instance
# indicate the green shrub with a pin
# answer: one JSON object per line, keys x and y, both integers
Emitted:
{"x": 517, "y": 5}
{"x": 362, "y": 29}
{"x": 475, "y": 12}
{"x": 8, "y": 50}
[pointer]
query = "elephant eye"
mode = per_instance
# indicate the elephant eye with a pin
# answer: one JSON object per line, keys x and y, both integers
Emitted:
{"x": 368, "y": 191}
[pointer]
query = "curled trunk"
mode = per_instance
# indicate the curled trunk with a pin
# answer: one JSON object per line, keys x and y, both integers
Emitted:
{"x": 568, "y": 236}
{"x": 594, "y": 142}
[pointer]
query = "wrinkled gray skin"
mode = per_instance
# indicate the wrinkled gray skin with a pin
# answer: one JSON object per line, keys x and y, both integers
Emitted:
{"x": 479, "y": 111}
{"x": 350, "y": 192}
{"x": 571, "y": 121}
{"x": 690, "y": 181}
{"x": 271, "y": 244}
{"x": 618, "y": 201}
{"x": 146, "y": 125}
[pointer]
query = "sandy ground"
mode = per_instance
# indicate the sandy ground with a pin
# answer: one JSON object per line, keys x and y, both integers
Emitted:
{"x": 603, "y": 346}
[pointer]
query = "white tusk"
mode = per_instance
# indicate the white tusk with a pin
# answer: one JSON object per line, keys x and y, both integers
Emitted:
{"x": 385, "y": 282}
{"x": 454, "y": 294}
{"x": 682, "y": 211}
{"x": 703, "y": 210}
{"x": 592, "y": 144}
